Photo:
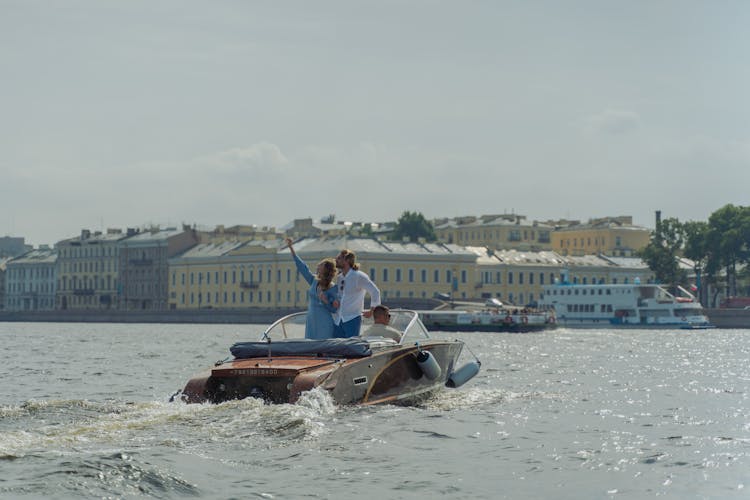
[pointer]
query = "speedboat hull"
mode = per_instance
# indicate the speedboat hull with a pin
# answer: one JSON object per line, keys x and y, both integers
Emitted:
{"x": 390, "y": 374}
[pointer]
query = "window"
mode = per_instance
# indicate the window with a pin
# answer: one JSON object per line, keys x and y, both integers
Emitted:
{"x": 385, "y": 275}
{"x": 510, "y": 277}
{"x": 423, "y": 274}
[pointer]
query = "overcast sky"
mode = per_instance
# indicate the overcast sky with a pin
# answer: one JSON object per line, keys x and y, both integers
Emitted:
{"x": 120, "y": 114}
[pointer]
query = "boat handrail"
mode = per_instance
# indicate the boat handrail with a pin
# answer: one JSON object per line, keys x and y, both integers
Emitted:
{"x": 282, "y": 321}
{"x": 412, "y": 327}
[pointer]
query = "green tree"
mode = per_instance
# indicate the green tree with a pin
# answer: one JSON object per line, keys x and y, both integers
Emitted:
{"x": 413, "y": 225}
{"x": 662, "y": 251}
{"x": 728, "y": 241}
{"x": 695, "y": 249}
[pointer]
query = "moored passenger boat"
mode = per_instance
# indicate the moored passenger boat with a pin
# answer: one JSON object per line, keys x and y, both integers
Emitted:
{"x": 623, "y": 305}
{"x": 360, "y": 370}
{"x": 500, "y": 320}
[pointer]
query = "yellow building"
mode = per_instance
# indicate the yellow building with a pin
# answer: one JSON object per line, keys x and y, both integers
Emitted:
{"x": 506, "y": 231}
{"x": 262, "y": 274}
{"x": 87, "y": 270}
{"x": 612, "y": 236}
{"x": 228, "y": 275}
{"x": 518, "y": 277}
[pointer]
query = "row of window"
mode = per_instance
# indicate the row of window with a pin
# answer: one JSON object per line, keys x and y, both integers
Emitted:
{"x": 579, "y": 242}
{"x": 213, "y": 277}
{"x": 513, "y": 235}
{"x": 496, "y": 277}
{"x": 96, "y": 266}
{"x": 587, "y": 291}
{"x": 41, "y": 287}
{"x": 76, "y": 252}
{"x": 26, "y": 304}
{"x": 588, "y": 308}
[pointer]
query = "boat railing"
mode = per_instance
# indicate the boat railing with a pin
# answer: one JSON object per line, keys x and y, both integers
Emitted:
{"x": 292, "y": 326}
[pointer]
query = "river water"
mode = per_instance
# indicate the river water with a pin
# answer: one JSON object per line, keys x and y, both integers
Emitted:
{"x": 576, "y": 414}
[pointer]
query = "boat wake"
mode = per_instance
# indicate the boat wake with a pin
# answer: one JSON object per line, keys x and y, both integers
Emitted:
{"x": 63, "y": 426}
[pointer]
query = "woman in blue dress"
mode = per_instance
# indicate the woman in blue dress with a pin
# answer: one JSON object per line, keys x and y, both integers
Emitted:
{"x": 322, "y": 297}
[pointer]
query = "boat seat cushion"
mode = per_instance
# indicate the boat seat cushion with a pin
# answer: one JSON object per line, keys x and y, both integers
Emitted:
{"x": 333, "y": 348}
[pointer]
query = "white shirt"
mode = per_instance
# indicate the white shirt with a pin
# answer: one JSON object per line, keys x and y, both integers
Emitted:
{"x": 352, "y": 288}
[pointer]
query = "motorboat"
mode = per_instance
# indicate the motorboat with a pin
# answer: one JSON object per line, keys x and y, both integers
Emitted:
{"x": 518, "y": 320}
{"x": 282, "y": 365}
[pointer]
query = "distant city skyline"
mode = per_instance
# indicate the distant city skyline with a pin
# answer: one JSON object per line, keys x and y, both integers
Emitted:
{"x": 126, "y": 114}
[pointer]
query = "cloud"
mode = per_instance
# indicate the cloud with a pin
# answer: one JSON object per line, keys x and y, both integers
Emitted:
{"x": 262, "y": 159}
{"x": 613, "y": 122}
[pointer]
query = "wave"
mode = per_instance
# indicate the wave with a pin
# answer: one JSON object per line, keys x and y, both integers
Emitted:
{"x": 59, "y": 426}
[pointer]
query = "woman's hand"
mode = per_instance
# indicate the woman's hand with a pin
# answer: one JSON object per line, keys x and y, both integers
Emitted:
{"x": 289, "y": 242}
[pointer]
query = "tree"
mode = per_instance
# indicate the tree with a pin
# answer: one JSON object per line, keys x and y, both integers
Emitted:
{"x": 728, "y": 241}
{"x": 662, "y": 251}
{"x": 695, "y": 249}
{"x": 413, "y": 225}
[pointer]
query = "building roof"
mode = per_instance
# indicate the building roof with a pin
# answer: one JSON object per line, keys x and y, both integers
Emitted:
{"x": 154, "y": 236}
{"x": 364, "y": 246}
{"x": 38, "y": 256}
{"x": 482, "y": 221}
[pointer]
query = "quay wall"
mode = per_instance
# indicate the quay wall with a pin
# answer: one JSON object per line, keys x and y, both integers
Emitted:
{"x": 729, "y": 318}
{"x": 204, "y": 316}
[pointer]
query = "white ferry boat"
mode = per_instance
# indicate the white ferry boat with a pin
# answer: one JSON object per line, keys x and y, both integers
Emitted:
{"x": 624, "y": 305}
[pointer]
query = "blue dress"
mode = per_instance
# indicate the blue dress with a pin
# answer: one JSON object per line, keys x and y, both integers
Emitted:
{"x": 319, "y": 323}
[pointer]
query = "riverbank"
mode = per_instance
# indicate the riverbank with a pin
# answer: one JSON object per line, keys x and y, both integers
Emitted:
{"x": 721, "y": 318}
{"x": 729, "y": 318}
{"x": 202, "y": 316}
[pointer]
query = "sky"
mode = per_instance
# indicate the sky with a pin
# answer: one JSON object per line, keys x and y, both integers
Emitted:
{"x": 132, "y": 113}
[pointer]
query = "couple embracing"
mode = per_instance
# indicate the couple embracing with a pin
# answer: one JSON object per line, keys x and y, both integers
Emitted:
{"x": 335, "y": 310}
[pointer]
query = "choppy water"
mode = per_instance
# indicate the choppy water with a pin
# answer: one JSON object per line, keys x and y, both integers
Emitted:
{"x": 565, "y": 414}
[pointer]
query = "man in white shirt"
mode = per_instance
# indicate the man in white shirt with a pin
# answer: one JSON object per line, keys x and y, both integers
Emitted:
{"x": 353, "y": 284}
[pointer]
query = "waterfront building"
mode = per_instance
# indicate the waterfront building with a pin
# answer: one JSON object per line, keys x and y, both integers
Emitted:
{"x": 515, "y": 277}
{"x": 331, "y": 228}
{"x": 3, "y": 262}
{"x": 602, "y": 269}
{"x": 402, "y": 270}
{"x": 88, "y": 269}
{"x": 518, "y": 277}
{"x": 226, "y": 275}
{"x": 612, "y": 236}
{"x": 30, "y": 281}
{"x": 144, "y": 266}
{"x": 497, "y": 232}
{"x": 13, "y": 246}
{"x": 238, "y": 233}
{"x": 263, "y": 275}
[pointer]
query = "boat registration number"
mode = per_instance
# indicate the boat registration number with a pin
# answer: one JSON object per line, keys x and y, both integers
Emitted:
{"x": 255, "y": 371}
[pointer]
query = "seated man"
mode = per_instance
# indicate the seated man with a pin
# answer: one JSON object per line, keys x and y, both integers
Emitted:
{"x": 381, "y": 316}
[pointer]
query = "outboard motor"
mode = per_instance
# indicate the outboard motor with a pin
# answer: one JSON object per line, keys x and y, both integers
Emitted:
{"x": 428, "y": 364}
{"x": 464, "y": 374}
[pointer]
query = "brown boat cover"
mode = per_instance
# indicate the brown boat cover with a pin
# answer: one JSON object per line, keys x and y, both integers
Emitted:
{"x": 328, "y": 348}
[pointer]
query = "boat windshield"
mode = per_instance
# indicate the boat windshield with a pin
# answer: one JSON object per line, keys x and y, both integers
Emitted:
{"x": 405, "y": 321}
